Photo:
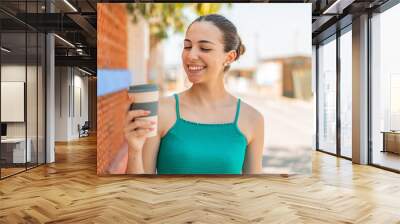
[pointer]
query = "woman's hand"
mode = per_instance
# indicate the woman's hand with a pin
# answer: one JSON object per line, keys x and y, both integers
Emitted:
{"x": 136, "y": 130}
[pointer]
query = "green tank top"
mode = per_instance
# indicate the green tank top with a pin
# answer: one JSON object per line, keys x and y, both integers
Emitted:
{"x": 196, "y": 148}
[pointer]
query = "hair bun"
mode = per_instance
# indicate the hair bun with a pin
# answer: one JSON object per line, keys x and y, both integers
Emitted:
{"x": 240, "y": 49}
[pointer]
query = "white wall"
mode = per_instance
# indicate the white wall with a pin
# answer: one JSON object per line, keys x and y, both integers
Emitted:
{"x": 61, "y": 103}
{"x": 69, "y": 85}
{"x": 34, "y": 125}
{"x": 17, "y": 73}
{"x": 14, "y": 73}
{"x": 138, "y": 50}
{"x": 80, "y": 84}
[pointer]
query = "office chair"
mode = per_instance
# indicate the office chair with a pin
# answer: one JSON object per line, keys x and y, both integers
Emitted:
{"x": 84, "y": 130}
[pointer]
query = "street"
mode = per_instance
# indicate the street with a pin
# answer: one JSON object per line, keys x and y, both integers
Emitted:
{"x": 289, "y": 130}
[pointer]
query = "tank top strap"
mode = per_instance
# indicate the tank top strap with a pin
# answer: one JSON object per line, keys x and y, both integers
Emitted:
{"x": 178, "y": 114}
{"x": 237, "y": 112}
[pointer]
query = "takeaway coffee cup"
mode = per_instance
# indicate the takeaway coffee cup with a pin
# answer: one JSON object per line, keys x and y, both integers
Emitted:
{"x": 145, "y": 97}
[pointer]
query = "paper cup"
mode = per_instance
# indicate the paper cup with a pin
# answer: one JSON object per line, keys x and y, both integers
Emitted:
{"x": 146, "y": 98}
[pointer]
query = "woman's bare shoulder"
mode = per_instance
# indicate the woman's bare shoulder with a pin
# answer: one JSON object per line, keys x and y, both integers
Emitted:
{"x": 250, "y": 113}
{"x": 169, "y": 101}
{"x": 251, "y": 121}
{"x": 167, "y": 115}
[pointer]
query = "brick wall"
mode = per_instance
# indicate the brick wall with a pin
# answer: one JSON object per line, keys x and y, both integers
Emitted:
{"x": 111, "y": 54}
{"x": 110, "y": 139}
{"x": 111, "y": 36}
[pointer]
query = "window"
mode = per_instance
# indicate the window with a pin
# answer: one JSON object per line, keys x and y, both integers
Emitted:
{"x": 327, "y": 97}
{"x": 385, "y": 85}
{"x": 346, "y": 94}
{"x": 22, "y": 76}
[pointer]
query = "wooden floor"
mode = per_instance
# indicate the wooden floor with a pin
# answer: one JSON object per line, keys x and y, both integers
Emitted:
{"x": 10, "y": 171}
{"x": 69, "y": 191}
{"x": 5, "y": 172}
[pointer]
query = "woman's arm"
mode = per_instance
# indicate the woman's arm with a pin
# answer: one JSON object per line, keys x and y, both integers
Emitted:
{"x": 150, "y": 153}
{"x": 135, "y": 132}
{"x": 254, "y": 152}
{"x": 141, "y": 151}
{"x": 144, "y": 161}
{"x": 135, "y": 164}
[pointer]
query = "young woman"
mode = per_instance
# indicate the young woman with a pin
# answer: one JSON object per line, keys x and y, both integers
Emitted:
{"x": 203, "y": 130}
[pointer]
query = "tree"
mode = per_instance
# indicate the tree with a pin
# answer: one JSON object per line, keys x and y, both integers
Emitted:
{"x": 163, "y": 16}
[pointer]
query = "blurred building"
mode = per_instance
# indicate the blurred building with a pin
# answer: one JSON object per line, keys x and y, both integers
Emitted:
{"x": 292, "y": 73}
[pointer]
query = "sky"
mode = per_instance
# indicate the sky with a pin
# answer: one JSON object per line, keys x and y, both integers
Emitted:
{"x": 267, "y": 29}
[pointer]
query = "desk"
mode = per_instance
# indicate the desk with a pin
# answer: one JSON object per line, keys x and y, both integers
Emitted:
{"x": 13, "y": 150}
{"x": 391, "y": 141}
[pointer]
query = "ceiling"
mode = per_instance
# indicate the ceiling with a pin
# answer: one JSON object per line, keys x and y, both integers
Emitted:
{"x": 330, "y": 15}
{"x": 76, "y": 22}
{"x": 72, "y": 20}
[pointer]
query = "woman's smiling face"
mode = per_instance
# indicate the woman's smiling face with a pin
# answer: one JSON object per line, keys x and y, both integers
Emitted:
{"x": 203, "y": 55}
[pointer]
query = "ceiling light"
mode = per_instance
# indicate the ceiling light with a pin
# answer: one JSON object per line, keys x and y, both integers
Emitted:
{"x": 64, "y": 40}
{"x": 86, "y": 72}
{"x": 5, "y": 49}
{"x": 338, "y": 6}
{"x": 70, "y": 5}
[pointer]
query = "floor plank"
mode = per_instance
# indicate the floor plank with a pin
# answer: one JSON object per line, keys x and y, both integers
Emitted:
{"x": 69, "y": 191}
